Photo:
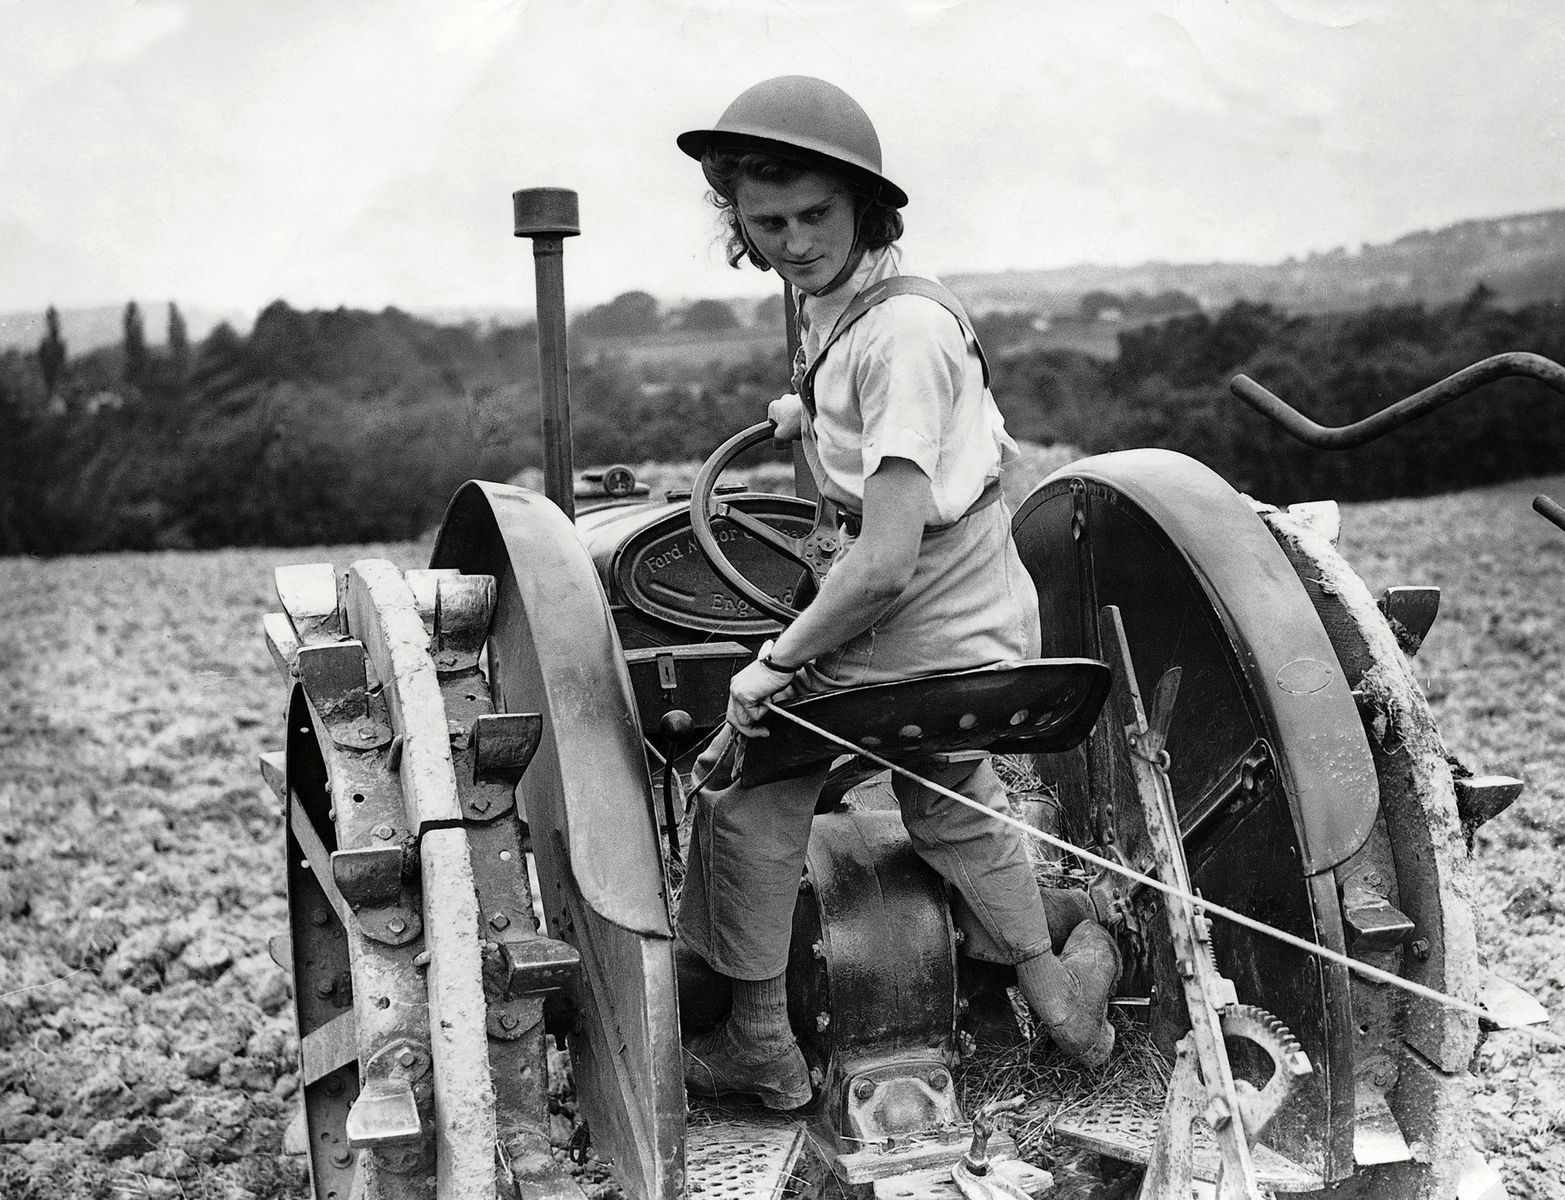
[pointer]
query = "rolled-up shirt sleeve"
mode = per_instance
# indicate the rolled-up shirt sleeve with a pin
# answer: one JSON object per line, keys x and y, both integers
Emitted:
{"x": 908, "y": 375}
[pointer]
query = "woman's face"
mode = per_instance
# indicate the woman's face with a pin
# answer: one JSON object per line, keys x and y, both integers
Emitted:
{"x": 804, "y": 229}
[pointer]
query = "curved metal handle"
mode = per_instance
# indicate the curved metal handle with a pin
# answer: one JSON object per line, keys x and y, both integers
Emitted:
{"x": 1551, "y": 508}
{"x": 1346, "y": 437}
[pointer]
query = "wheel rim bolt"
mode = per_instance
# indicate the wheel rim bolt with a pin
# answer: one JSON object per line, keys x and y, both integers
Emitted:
{"x": 406, "y": 1058}
{"x": 341, "y": 1158}
{"x": 396, "y": 925}
{"x": 383, "y": 832}
{"x": 507, "y": 1021}
{"x": 499, "y": 921}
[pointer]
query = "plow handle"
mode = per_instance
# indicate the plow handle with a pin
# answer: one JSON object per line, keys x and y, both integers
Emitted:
{"x": 1404, "y": 411}
{"x": 1551, "y": 508}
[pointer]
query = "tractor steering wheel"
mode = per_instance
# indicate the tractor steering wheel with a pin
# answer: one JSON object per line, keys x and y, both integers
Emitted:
{"x": 813, "y": 552}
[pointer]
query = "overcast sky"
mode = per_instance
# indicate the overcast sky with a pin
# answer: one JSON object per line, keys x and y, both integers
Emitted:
{"x": 225, "y": 153}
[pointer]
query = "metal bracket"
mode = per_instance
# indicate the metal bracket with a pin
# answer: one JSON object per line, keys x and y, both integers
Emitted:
{"x": 370, "y": 880}
{"x": 503, "y": 745}
{"x": 520, "y": 975}
{"x": 463, "y": 607}
{"x": 308, "y": 594}
{"x": 1410, "y": 611}
{"x": 334, "y": 679}
{"x": 905, "y": 1113}
{"x": 1481, "y": 798}
{"x": 393, "y": 1114}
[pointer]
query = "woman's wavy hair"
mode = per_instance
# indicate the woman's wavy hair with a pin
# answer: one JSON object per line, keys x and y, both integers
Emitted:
{"x": 879, "y": 224}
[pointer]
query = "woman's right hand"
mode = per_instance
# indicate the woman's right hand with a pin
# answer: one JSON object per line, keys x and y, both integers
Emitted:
{"x": 786, "y": 413}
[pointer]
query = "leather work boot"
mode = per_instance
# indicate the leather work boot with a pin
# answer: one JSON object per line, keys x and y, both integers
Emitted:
{"x": 1070, "y": 994}
{"x": 724, "y": 1063}
{"x": 1066, "y": 908}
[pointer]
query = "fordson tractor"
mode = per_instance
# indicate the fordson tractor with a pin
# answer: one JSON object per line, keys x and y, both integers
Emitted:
{"x": 484, "y": 771}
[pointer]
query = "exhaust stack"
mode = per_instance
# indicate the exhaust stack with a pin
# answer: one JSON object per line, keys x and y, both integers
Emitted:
{"x": 548, "y": 216}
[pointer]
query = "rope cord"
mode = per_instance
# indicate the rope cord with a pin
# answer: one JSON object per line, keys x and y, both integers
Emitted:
{"x": 1208, "y": 906}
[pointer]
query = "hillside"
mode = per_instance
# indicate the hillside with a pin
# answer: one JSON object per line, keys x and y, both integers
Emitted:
{"x": 1520, "y": 258}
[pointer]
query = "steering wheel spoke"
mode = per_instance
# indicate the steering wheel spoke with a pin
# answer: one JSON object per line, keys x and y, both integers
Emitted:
{"x": 792, "y": 547}
{"x": 813, "y": 552}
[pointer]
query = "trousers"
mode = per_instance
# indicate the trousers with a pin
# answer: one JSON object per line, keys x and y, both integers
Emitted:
{"x": 971, "y": 603}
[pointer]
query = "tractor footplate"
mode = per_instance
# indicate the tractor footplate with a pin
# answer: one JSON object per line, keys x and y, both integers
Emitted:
{"x": 748, "y": 1158}
{"x": 1125, "y": 1129}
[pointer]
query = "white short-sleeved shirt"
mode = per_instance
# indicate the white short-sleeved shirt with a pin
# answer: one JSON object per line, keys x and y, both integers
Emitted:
{"x": 904, "y": 381}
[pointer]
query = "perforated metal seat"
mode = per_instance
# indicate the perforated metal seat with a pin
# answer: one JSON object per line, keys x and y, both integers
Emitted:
{"x": 1039, "y": 706}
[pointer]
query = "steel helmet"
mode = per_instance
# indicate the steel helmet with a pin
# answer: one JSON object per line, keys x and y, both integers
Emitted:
{"x": 803, "y": 118}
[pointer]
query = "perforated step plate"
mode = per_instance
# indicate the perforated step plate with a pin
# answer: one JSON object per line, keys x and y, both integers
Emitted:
{"x": 1122, "y": 1132}
{"x": 757, "y": 1158}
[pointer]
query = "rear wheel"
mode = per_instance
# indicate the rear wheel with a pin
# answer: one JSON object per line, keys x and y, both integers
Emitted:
{"x": 1290, "y": 810}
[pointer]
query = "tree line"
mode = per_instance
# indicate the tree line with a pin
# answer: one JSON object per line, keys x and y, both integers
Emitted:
{"x": 350, "y": 426}
{"x": 1168, "y": 387}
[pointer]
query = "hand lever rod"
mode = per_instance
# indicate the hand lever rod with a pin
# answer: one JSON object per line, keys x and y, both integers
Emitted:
{"x": 1437, "y": 395}
{"x": 1548, "y": 506}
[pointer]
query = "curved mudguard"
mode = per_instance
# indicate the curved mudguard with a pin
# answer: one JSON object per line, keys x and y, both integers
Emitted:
{"x": 1272, "y": 776}
{"x": 1134, "y": 505}
{"x": 553, "y": 650}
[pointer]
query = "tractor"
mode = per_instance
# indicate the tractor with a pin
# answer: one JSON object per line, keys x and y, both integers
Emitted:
{"x": 484, "y": 769}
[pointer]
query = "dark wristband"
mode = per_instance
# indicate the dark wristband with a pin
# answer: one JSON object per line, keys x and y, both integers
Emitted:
{"x": 772, "y": 665}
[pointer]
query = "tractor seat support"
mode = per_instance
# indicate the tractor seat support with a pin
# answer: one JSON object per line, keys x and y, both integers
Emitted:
{"x": 1037, "y": 706}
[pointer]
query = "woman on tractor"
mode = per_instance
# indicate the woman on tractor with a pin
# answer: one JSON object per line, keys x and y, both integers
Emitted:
{"x": 901, "y": 433}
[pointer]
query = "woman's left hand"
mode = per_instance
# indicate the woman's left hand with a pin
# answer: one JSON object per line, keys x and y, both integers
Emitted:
{"x": 749, "y": 690}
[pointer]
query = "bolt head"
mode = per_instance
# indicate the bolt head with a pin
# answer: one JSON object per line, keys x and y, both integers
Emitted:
{"x": 325, "y": 988}
{"x": 446, "y": 658}
{"x": 1421, "y": 949}
{"x": 341, "y": 1158}
{"x": 480, "y": 803}
{"x": 939, "y": 1080}
{"x": 383, "y": 832}
{"x": 368, "y": 732}
{"x": 499, "y": 921}
{"x": 821, "y": 1021}
{"x": 396, "y": 925}
{"x": 863, "y": 1089}
{"x": 319, "y": 917}
{"x": 507, "y": 1021}
{"x": 406, "y": 1058}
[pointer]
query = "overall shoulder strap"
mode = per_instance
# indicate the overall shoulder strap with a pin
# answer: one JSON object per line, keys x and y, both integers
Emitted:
{"x": 875, "y": 293}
